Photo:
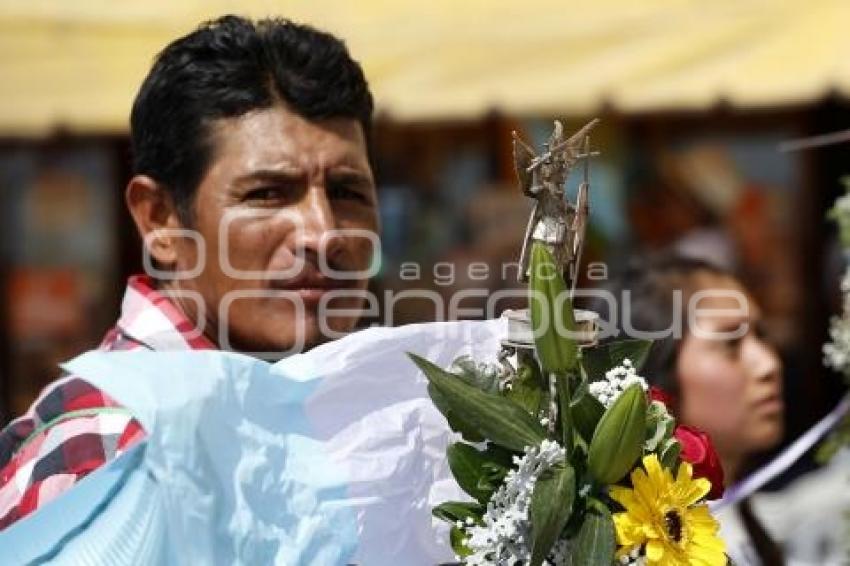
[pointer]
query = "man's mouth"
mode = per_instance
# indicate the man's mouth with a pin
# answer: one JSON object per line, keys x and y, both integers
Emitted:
{"x": 309, "y": 288}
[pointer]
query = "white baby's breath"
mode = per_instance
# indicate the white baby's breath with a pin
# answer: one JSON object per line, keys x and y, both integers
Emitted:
{"x": 635, "y": 557}
{"x": 616, "y": 381}
{"x": 505, "y": 536}
{"x": 836, "y": 352}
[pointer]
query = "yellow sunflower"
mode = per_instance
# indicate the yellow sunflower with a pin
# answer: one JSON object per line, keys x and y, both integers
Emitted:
{"x": 663, "y": 518}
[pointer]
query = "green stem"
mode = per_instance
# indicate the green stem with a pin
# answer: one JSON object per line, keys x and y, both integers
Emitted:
{"x": 562, "y": 384}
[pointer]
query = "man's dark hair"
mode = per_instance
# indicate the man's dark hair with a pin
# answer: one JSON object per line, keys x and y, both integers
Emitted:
{"x": 226, "y": 68}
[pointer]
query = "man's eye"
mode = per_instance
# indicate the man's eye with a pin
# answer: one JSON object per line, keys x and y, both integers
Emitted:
{"x": 265, "y": 194}
{"x": 347, "y": 191}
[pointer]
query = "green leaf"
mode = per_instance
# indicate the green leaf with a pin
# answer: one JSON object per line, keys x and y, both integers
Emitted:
{"x": 597, "y": 360}
{"x": 456, "y": 537}
{"x": 596, "y": 542}
{"x": 551, "y": 507}
{"x": 465, "y": 368}
{"x": 496, "y": 463}
{"x": 557, "y": 353}
{"x": 670, "y": 451}
{"x": 659, "y": 426}
{"x": 526, "y": 390}
{"x": 473, "y": 470}
{"x": 498, "y": 419}
{"x": 837, "y": 215}
{"x": 618, "y": 440}
{"x": 586, "y": 412}
{"x": 499, "y": 457}
{"x": 454, "y": 511}
{"x": 455, "y": 420}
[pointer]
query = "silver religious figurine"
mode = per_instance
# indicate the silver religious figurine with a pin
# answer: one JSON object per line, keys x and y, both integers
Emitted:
{"x": 555, "y": 221}
{"x": 558, "y": 224}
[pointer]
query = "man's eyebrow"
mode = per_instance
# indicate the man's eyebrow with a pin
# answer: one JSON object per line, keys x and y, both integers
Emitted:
{"x": 348, "y": 174}
{"x": 269, "y": 175}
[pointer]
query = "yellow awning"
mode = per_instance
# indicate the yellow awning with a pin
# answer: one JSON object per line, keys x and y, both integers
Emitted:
{"x": 78, "y": 64}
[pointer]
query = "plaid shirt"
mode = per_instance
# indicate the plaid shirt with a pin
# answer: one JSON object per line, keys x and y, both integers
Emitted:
{"x": 73, "y": 427}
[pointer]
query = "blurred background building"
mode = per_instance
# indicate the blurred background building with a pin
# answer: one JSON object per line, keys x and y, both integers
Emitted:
{"x": 698, "y": 103}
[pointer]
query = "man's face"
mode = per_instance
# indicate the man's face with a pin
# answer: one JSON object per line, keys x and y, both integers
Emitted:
{"x": 287, "y": 205}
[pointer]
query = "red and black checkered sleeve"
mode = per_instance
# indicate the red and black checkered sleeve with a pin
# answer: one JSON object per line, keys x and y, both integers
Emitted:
{"x": 71, "y": 430}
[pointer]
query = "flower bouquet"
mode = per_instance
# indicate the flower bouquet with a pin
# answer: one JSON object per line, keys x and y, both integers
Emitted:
{"x": 571, "y": 458}
{"x": 837, "y": 350}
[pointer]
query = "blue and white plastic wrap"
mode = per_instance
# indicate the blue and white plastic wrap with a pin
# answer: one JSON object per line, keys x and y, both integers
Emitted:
{"x": 335, "y": 456}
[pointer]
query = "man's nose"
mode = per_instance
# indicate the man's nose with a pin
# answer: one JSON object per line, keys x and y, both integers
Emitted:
{"x": 317, "y": 222}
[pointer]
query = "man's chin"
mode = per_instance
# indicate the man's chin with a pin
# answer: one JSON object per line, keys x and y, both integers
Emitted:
{"x": 277, "y": 346}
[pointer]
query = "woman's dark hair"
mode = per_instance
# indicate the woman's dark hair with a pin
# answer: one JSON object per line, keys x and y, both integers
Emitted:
{"x": 643, "y": 295}
{"x": 226, "y": 68}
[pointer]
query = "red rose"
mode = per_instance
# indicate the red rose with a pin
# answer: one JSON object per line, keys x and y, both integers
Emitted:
{"x": 658, "y": 394}
{"x": 699, "y": 452}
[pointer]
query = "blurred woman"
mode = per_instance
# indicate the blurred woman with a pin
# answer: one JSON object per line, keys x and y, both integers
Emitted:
{"x": 711, "y": 361}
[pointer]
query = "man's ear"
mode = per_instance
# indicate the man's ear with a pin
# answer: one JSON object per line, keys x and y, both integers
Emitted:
{"x": 155, "y": 214}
